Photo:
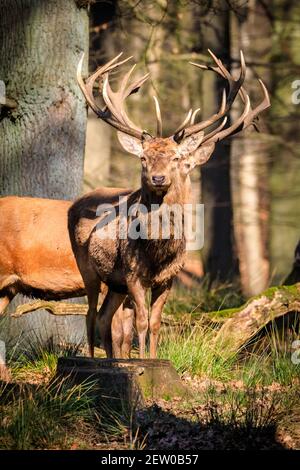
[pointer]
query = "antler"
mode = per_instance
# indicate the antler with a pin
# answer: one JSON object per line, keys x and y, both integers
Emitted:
{"x": 252, "y": 115}
{"x": 247, "y": 117}
{"x": 234, "y": 86}
{"x": 113, "y": 113}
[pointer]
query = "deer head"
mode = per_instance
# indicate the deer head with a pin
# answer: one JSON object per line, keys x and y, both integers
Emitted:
{"x": 165, "y": 159}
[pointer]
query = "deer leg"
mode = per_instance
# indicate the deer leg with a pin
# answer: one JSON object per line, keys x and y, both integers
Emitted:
{"x": 92, "y": 293}
{"x": 117, "y": 333}
{"x": 4, "y": 301}
{"x": 122, "y": 330}
{"x": 159, "y": 297}
{"x": 110, "y": 305}
{"x": 137, "y": 293}
{"x": 5, "y": 374}
{"x": 127, "y": 323}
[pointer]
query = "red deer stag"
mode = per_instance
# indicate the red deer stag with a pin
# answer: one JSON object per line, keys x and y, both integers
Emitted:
{"x": 130, "y": 265}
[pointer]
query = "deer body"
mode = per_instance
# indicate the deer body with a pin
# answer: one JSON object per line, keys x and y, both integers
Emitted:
{"x": 36, "y": 257}
{"x": 130, "y": 265}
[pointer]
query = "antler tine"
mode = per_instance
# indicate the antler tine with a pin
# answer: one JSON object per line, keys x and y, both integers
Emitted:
{"x": 246, "y": 119}
{"x": 265, "y": 104}
{"x": 234, "y": 85}
{"x": 234, "y": 127}
{"x": 132, "y": 87}
{"x": 189, "y": 119}
{"x": 215, "y": 131}
{"x": 193, "y": 117}
{"x": 89, "y": 84}
{"x": 248, "y": 116}
{"x": 184, "y": 122}
{"x": 113, "y": 112}
{"x": 158, "y": 117}
{"x": 125, "y": 92}
{"x": 115, "y": 100}
{"x": 221, "y": 70}
{"x": 107, "y": 97}
{"x": 202, "y": 125}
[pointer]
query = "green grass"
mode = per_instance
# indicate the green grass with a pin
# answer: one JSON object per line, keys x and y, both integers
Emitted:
{"x": 247, "y": 417}
{"x": 39, "y": 360}
{"x": 40, "y": 411}
{"x": 192, "y": 350}
{"x": 191, "y": 347}
{"x": 116, "y": 420}
{"x": 204, "y": 298}
{"x": 43, "y": 416}
{"x": 245, "y": 392}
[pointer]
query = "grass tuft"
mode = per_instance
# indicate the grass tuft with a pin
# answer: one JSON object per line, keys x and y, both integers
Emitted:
{"x": 41, "y": 417}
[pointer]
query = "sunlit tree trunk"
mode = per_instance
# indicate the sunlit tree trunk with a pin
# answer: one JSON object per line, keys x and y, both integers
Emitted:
{"x": 251, "y": 32}
{"x": 97, "y": 162}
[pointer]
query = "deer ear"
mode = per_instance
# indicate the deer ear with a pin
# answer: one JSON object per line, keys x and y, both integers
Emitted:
{"x": 190, "y": 143}
{"x": 130, "y": 144}
{"x": 202, "y": 154}
{"x": 199, "y": 157}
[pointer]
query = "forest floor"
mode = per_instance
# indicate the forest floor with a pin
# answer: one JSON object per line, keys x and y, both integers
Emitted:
{"x": 247, "y": 400}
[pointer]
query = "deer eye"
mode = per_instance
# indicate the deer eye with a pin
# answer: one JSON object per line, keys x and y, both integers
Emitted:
{"x": 175, "y": 159}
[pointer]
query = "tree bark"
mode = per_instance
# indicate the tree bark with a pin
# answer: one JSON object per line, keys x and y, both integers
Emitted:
{"x": 219, "y": 254}
{"x": 250, "y": 158}
{"x": 248, "y": 320}
{"x": 294, "y": 275}
{"x": 42, "y": 139}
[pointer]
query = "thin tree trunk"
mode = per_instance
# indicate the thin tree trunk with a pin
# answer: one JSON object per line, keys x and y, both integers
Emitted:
{"x": 250, "y": 159}
{"x": 219, "y": 254}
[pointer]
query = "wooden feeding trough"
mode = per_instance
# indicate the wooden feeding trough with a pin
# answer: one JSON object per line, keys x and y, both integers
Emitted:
{"x": 129, "y": 379}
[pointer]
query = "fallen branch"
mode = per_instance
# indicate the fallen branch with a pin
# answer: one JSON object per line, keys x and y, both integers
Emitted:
{"x": 238, "y": 325}
{"x": 256, "y": 314}
{"x": 53, "y": 307}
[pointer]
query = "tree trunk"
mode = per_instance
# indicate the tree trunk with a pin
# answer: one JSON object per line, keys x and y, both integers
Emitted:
{"x": 42, "y": 139}
{"x": 220, "y": 262}
{"x": 250, "y": 158}
{"x": 97, "y": 153}
{"x": 294, "y": 275}
{"x": 284, "y": 116}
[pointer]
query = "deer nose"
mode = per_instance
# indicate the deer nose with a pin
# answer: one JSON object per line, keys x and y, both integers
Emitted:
{"x": 158, "y": 179}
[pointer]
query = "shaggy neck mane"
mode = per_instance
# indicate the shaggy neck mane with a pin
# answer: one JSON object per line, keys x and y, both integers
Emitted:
{"x": 161, "y": 251}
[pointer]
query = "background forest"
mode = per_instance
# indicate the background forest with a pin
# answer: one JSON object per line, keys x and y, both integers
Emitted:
{"x": 250, "y": 186}
{"x": 244, "y": 384}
